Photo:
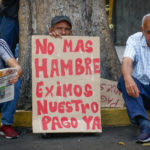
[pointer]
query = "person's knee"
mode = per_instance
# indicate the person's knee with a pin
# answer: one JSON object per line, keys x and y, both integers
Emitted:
{"x": 120, "y": 83}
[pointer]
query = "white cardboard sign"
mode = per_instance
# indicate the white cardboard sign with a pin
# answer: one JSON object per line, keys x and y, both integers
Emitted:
{"x": 65, "y": 84}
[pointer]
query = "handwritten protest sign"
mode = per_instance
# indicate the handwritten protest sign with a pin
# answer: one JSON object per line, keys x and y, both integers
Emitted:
{"x": 110, "y": 95}
{"x": 65, "y": 84}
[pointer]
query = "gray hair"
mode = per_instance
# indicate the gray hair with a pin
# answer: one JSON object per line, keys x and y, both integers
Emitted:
{"x": 144, "y": 17}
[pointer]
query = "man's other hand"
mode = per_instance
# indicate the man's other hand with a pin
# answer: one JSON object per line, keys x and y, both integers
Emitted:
{"x": 131, "y": 87}
{"x": 14, "y": 79}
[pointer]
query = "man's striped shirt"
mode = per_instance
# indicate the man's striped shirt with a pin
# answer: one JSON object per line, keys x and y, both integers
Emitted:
{"x": 5, "y": 53}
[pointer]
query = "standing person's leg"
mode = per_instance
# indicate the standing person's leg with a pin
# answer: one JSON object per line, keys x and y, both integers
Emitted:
{"x": 8, "y": 110}
{"x": 9, "y": 31}
{"x": 1, "y": 17}
{"x": 136, "y": 110}
{"x": 15, "y": 45}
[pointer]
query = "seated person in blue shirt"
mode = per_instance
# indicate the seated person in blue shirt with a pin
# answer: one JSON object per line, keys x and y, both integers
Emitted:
{"x": 135, "y": 80}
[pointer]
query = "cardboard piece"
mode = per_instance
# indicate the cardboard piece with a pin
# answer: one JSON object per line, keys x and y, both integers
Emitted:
{"x": 110, "y": 95}
{"x": 65, "y": 84}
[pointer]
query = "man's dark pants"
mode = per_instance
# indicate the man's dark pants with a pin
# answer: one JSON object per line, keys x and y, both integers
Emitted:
{"x": 9, "y": 31}
{"x": 136, "y": 106}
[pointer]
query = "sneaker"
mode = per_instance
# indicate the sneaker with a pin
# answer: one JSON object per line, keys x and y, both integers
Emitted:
{"x": 144, "y": 136}
{"x": 8, "y": 132}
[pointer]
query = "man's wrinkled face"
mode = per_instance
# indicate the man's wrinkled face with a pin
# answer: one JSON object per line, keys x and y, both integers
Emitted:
{"x": 146, "y": 30}
{"x": 63, "y": 28}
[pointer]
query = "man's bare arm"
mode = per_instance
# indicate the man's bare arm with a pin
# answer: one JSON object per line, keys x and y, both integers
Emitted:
{"x": 130, "y": 84}
{"x": 13, "y": 63}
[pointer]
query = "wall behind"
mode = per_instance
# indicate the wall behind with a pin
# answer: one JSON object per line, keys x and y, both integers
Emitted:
{"x": 128, "y": 16}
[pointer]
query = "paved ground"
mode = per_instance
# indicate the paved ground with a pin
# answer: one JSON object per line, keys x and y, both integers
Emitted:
{"x": 108, "y": 140}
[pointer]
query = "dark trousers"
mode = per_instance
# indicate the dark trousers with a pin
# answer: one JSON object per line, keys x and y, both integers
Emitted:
{"x": 9, "y": 31}
{"x": 8, "y": 109}
{"x": 136, "y": 106}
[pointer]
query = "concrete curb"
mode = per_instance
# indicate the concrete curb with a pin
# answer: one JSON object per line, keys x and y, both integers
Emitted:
{"x": 110, "y": 117}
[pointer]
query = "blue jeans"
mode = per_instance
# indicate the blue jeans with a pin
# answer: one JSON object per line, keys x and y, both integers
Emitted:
{"x": 136, "y": 106}
{"x": 8, "y": 109}
{"x": 9, "y": 31}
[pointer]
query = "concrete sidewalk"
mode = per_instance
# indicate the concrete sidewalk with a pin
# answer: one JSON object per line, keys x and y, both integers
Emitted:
{"x": 108, "y": 140}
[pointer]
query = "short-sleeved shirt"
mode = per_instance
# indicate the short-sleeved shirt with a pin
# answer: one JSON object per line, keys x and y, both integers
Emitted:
{"x": 138, "y": 50}
{"x": 5, "y": 53}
